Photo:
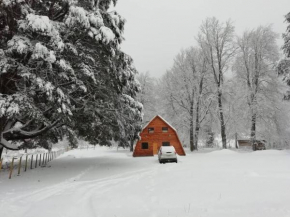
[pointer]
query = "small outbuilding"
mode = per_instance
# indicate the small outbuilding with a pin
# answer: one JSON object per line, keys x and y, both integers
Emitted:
{"x": 155, "y": 134}
{"x": 244, "y": 143}
{"x": 247, "y": 143}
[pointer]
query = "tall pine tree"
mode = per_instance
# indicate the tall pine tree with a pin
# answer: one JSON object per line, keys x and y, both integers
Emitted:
{"x": 62, "y": 72}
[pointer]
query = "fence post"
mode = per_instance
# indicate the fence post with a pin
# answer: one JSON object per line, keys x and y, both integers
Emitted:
{"x": 36, "y": 161}
{"x": 19, "y": 165}
{"x": 11, "y": 168}
{"x": 26, "y": 163}
{"x": 45, "y": 158}
{"x": 31, "y": 162}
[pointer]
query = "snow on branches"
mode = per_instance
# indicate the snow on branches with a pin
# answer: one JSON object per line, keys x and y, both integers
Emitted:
{"x": 92, "y": 22}
{"x": 41, "y": 52}
{"x": 19, "y": 44}
{"x": 77, "y": 17}
{"x": 284, "y": 64}
{"x": 43, "y": 26}
{"x": 8, "y": 106}
{"x": 62, "y": 67}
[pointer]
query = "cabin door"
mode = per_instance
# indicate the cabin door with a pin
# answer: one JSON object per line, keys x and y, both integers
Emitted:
{"x": 155, "y": 148}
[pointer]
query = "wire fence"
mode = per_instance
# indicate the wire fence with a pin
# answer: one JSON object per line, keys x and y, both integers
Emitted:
{"x": 13, "y": 166}
{"x": 17, "y": 165}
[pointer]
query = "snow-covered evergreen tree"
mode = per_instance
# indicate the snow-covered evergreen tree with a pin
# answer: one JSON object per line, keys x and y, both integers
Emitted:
{"x": 62, "y": 70}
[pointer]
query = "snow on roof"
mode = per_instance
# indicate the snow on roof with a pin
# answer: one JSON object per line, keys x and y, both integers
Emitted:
{"x": 162, "y": 120}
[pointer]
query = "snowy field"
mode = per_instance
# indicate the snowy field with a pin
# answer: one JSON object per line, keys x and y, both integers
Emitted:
{"x": 111, "y": 183}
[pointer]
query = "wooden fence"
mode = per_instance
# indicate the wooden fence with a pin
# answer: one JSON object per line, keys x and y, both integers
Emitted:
{"x": 26, "y": 162}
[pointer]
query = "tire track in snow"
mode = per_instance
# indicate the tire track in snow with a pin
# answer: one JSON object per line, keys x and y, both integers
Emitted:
{"x": 82, "y": 194}
{"x": 82, "y": 191}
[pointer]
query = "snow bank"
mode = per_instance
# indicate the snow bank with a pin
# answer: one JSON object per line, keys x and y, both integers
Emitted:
{"x": 223, "y": 152}
{"x": 269, "y": 152}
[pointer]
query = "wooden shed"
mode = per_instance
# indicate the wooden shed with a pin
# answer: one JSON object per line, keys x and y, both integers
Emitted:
{"x": 244, "y": 143}
{"x": 155, "y": 134}
{"x": 247, "y": 143}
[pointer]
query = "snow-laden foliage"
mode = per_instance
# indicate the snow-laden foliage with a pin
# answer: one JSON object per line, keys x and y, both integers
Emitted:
{"x": 92, "y": 22}
{"x": 248, "y": 87}
{"x": 41, "y": 52}
{"x": 62, "y": 73}
{"x": 216, "y": 41}
{"x": 187, "y": 90}
{"x": 20, "y": 45}
{"x": 284, "y": 63}
{"x": 255, "y": 69}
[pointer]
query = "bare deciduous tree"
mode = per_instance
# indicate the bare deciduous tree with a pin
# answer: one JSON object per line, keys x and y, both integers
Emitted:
{"x": 147, "y": 96}
{"x": 185, "y": 91}
{"x": 258, "y": 53}
{"x": 216, "y": 41}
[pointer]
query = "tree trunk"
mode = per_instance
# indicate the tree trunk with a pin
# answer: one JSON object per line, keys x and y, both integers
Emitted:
{"x": 191, "y": 136}
{"x": 253, "y": 130}
{"x": 236, "y": 140}
{"x": 197, "y": 126}
{"x": 196, "y": 137}
{"x": 131, "y": 145}
{"x": 1, "y": 151}
{"x": 1, "y": 146}
{"x": 223, "y": 127}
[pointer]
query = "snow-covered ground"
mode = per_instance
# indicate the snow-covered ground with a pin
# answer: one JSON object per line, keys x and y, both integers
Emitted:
{"x": 107, "y": 182}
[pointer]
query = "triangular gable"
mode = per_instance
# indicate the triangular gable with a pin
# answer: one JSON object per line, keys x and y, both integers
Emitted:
{"x": 138, "y": 151}
{"x": 162, "y": 120}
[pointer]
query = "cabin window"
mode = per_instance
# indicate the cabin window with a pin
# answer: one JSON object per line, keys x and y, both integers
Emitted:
{"x": 151, "y": 130}
{"x": 164, "y": 129}
{"x": 145, "y": 145}
{"x": 165, "y": 143}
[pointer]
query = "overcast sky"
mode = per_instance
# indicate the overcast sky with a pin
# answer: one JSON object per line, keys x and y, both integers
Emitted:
{"x": 156, "y": 30}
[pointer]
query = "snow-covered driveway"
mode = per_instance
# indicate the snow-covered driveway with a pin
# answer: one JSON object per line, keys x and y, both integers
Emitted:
{"x": 104, "y": 182}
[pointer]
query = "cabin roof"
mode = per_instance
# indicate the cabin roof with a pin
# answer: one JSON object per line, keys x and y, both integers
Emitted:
{"x": 162, "y": 120}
